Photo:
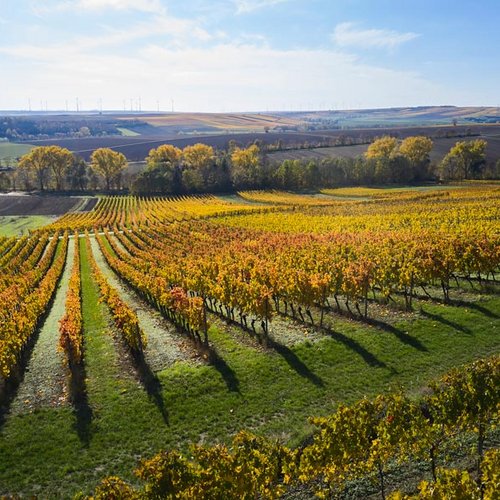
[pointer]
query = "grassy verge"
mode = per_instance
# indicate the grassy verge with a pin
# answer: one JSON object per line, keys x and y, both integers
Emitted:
{"x": 127, "y": 132}
{"x": 55, "y": 452}
{"x": 15, "y": 225}
{"x": 13, "y": 150}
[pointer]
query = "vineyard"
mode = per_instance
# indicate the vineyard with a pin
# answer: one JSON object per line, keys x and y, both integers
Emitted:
{"x": 172, "y": 323}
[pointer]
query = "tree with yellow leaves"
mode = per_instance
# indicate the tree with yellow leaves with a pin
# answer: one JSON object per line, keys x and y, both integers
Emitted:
{"x": 198, "y": 156}
{"x": 382, "y": 149}
{"x": 245, "y": 166}
{"x": 197, "y": 160}
{"x": 416, "y": 150}
{"x": 464, "y": 160}
{"x": 108, "y": 163}
{"x": 163, "y": 155}
{"x": 382, "y": 152}
{"x": 46, "y": 160}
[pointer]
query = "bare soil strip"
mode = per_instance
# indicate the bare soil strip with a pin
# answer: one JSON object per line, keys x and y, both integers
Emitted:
{"x": 44, "y": 381}
{"x": 290, "y": 333}
{"x": 37, "y": 205}
{"x": 165, "y": 345}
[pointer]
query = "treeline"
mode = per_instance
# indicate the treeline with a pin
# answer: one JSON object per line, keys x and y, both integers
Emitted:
{"x": 200, "y": 168}
{"x": 24, "y": 128}
{"x": 361, "y": 441}
{"x": 320, "y": 142}
{"x": 351, "y": 138}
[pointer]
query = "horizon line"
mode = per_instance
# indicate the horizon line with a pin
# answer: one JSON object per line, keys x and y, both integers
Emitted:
{"x": 95, "y": 111}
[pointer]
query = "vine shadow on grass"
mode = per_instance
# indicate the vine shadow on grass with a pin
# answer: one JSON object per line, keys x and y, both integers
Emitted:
{"x": 444, "y": 321}
{"x": 369, "y": 358}
{"x": 80, "y": 402}
{"x": 461, "y": 303}
{"x": 8, "y": 392}
{"x": 405, "y": 338}
{"x": 475, "y": 306}
{"x": 151, "y": 384}
{"x": 295, "y": 362}
{"x": 226, "y": 372}
{"x": 400, "y": 334}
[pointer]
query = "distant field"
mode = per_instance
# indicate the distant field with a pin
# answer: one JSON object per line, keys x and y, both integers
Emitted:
{"x": 19, "y": 214}
{"x": 321, "y": 153}
{"x": 222, "y": 121}
{"x": 11, "y": 205}
{"x": 138, "y": 147}
{"x": 13, "y": 150}
{"x": 441, "y": 147}
{"x": 127, "y": 132}
{"x": 16, "y": 225}
{"x": 422, "y": 115}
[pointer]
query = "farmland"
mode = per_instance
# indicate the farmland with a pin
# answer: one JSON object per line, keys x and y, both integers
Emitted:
{"x": 12, "y": 150}
{"x": 134, "y": 134}
{"x": 227, "y": 122}
{"x": 22, "y": 213}
{"x": 320, "y": 153}
{"x": 16, "y": 225}
{"x": 251, "y": 311}
{"x": 13, "y": 204}
{"x": 440, "y": 148}
{"x": 405, "y": 116}
{"x": 137, "y": 147}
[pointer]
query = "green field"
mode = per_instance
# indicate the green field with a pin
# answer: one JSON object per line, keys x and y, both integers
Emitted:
{"x": 16, "y": 225}
{"x": 127, "y": 132}
{"x": 12, "y": 150}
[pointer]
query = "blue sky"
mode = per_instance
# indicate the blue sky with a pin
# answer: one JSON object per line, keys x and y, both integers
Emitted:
{"x": 248, "y": 55}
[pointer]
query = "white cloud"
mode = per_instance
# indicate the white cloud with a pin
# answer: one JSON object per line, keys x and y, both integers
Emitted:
{"x": 222, "y": 77}
{"x": 349, "y": 35}
{"x": 144, "y": 5}
{"x": 174, "y": 31}
{"x": 148, "y": 6}
{"x": 245, "y": 6}
{"x": 170, "y": 29}
{"x": 151, "y": 6}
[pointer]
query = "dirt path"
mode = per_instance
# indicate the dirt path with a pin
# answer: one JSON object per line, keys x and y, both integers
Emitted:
{"x": 165, "y": 344}
{"x": 44, "y": 381}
